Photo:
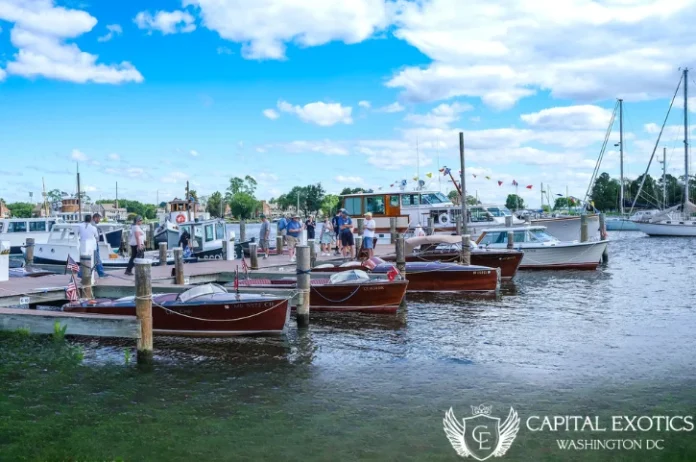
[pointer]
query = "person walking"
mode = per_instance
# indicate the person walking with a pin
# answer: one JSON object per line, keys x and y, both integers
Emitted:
{"x": 98, "y": 265}
{"x": 347, "y": 242}
{"x": 293, "y": 237}
{"x": 335, "y": 223}
{"x": 369, "y": 234}
{"x": 326, "y": 237}
{"x": 264, "y": 235}
{"x": 137, "y": 244}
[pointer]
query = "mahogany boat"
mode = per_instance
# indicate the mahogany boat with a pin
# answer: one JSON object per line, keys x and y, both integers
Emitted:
{"x": 345, "y": 291}
{"x": 202, "y": 311}
{"x": 429, "y": 276}
{"x": 445, "y": 248}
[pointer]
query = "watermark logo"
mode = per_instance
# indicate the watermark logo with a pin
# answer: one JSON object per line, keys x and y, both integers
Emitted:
{"x": 481, "y": 436}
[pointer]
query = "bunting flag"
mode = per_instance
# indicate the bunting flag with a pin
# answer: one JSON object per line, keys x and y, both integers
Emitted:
{"x": 415, "y": 178}
{"x": 529, "y": 186}
{"x": 392, "y": 185}
{"x": 473, "y": 175}
{"x": 500, "y": 183}
{"x": 488, "y": 177}
{"x": 445, "y": 171}
{"x": 429, "y": 175}
{"x": 559, "y": 195}
{"x": 515, "y": 183}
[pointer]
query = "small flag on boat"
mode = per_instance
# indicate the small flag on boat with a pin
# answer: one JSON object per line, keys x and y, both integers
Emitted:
{"x": 529, "y": 186}
{"x": 500, "y": 183}
{"x": 71, "y": 289}
{"x": 392, "y": 273}
{"x": 236, "y": 279}
{"x": 72, "y": 265}
{"x": 244, "y": 266}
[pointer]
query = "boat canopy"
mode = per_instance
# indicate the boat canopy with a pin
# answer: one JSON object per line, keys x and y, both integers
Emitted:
{"x": 414, "y": 242}
{"x": 199, "y": 291}
{"x": 349, "y": 276}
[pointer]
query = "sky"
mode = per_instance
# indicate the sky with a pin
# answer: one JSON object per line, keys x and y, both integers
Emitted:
{"x": 362, "y": 93}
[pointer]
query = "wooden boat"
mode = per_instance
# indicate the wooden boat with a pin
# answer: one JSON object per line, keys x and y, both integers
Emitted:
{"x": 429, "y": 276}
{"x": 445, "y": 248}
{"x": 345, "y": 291}
{"x": 542, "y": 251}
{"x": 202, "y": 311}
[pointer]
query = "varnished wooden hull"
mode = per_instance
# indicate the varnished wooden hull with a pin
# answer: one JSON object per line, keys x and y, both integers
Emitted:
{"x": 507, "y": 260}
{"x": 260, "y": 315}
{"x": 443, "y": 277}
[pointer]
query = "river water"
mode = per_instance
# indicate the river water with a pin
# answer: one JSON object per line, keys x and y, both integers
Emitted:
{"x": 618, "y": 341}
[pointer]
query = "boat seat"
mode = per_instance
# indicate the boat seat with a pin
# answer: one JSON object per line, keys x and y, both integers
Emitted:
{"x": 254, "y": 282}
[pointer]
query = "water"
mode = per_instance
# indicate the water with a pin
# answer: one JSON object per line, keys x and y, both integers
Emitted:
{"x": 359, "y": 387}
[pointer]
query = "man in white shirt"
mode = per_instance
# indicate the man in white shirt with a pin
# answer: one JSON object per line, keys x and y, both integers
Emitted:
{"x": 89, "y": 237}
{"x": 369, "y": 234}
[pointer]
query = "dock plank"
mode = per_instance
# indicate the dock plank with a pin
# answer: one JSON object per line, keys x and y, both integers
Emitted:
{"x": 93, "y": 325}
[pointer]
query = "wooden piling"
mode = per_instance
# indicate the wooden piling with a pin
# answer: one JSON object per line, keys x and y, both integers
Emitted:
{"x": 29, "y": 251}
{"x": 400, "y": 254}
{"x": 253, "y": 256}
{"x": 242, "y": 231}
{"x": 151, "y": 236}
{"x": 125, "y": 237}
{"x": 361, "y": 225}
{"x": 392, "y": 229}
{"x": 458, "y": 224}
{"x": 510, "y": 240}
{"x": 431, "y": 226}
{"x": 465, "y": 253}
{"x": 143, "y": 309}
{"x": 163, "y": 253}
{"x": 303, "y": 285}
{"x": 603, "y": 236}
{"x": 584, "y": 236}
{"x": 508, "y": 222}
{"x": 86, "y": 270}
{"x": 312, "y": 253}
{"x": 358, "y": 245}
{"x": 179, "y": 266}
{"x": 279, "y": 245}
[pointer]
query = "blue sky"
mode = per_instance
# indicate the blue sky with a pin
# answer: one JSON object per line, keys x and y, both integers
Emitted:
{"x": 342, "y": 93}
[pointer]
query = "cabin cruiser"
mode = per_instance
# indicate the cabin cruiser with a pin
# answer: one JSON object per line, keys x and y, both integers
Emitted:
{"x": 17, "y": 230}
{"x": 207, "y": 238}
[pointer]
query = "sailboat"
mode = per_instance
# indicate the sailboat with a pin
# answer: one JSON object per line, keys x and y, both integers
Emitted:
{"x": 671, "y": 222}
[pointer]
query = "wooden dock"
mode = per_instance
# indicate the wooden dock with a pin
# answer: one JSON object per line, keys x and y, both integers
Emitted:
{"x": 43, "y": 322}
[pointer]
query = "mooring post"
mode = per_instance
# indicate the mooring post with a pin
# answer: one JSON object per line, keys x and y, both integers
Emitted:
{"x": 29, "y": 251}
{"x": 151, "y": 236}
{"x": 242, "y": 230}
{"x": 510, "y": 240}
{"x": 125, "y": 236}
{"x": 179, "y": 266}
{"x": 163, "y": 254}
{"x": 431, "y": 226}
{"x": 603, "y": 236}
{"x": 279, "y": 245}
{"x": 361, "y": 225}
{"x": 358, "y": 245}
{"x": 465, "y": 254}
{"x": 253, "y": 256}
{"x": 400, "y": 254}
{"x": 392, "y": 229}
{"x": 303, "y": 282}
{"x": 508, "y": 221}
{"x": 86, "y": 270}
{"x": 312, "y": 253}
{"x": 458, "y": 224}
{"x": 143, "y": 308}
{"x": 583, "y": 228}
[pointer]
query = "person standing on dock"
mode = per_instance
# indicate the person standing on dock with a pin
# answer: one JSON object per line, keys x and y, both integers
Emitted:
{"x": 89, "y": 242}
{"x": 264, "y": 235}
{"x": 293, "y": 237}
{"x": 310, "y": 225}
{"x": 326, "y": 237}
{"x": 347, "y": 242}
{"x": 335, "y": 222}
{"x": 137, "y": 244}
{"x": 96, "y": 218}
{"x": 369, "y": 234}
{"x": 185, "y": 243}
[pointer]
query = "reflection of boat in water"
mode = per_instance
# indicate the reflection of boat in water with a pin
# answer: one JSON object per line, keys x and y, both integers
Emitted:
{"x": 445, "y": 248}
{"x": 351, "y": 290}
{"x": 202, "y": 311}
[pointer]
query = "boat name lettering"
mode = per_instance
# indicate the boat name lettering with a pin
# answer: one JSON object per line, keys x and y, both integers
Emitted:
{"x": 374, "y": 288}
{"x": 480, "y": 272}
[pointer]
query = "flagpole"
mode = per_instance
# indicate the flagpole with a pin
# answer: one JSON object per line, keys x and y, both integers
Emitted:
{"x": 517, "y": 193}
{"x": 465, "y": 228}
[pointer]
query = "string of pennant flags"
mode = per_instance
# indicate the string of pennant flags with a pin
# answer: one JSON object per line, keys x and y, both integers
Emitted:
{"x": 448, "y": 172}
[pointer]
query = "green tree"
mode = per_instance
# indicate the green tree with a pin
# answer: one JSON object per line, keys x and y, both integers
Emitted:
{"x": 454, "y": 197}
{"x": 194, "y": 194}
{"x": 148, "y": 211}
{"x": 55, "y": 198}
{"x": 605, "y": 192}
{"x": 330, "y": 204}
{"x": 21, "y": 209}
{"x": 246, "y": 185}
{"x": 243, "y": 205}
{"x": 350, "y": 191}
{"x": 562, "y": 203}
{"x": 215, "y": 205}
{"x": 648, "y": 195}
{"x": 312, "y": 198}
{"x": 514, "y": 202}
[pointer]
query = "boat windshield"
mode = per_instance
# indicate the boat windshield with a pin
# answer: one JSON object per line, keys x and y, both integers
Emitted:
{"x": 198, "y": 291}
{"x": 434, "y": 198}
{"x": 540, "y": 235}
{"x": 499, "y": 211}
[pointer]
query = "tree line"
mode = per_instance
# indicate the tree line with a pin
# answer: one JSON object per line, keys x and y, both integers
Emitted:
{"x": 606, "y": 192}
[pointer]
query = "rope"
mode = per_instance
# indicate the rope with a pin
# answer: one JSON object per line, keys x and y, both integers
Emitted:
{"x": 337, "y": 301}
{"x": 300, "y": 272}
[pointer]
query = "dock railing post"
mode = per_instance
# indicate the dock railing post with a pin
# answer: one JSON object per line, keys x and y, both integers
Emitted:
{"x": 583, "y": 228}
{"x": 508, "y": 221}
{"x": 400, "y": 254}
{"x": 279, "y": 244}
{"x": 179, "y": 266}
{"x": 510, "y": 240}
{"x": 465, "y": 253}
{"x": 242, "y": 230}
{"x": 603, "y": 236}
{"x": 458, "y": 224}
{"x": 392, "y": 229}
{"x": 312, "y": 252}
{"x": 253, "y": 256}
{"x": 86, "y": 270}
{"x": 163, "y": 254}
{"x": 431, "y": 226}
{"x": 151, "y": 236}
{"x": 303, "y": 286}
{"x": 143, "y": 309}
{"x": 29, "y": 251}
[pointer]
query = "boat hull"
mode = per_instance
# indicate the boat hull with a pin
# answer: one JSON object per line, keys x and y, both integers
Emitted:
{"x": 620, "y": 224}
{"x": 225, "y": 318}
{"x": 674, "y": 229}
{"x": 507, "y": 260}
{"x": 582, "y": 256}
{"x": 567, "y": 229}
{"x": 443, "y": 277}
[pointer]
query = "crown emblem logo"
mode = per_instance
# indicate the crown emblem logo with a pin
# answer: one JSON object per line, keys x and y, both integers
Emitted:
{"x": 481, "y": 410}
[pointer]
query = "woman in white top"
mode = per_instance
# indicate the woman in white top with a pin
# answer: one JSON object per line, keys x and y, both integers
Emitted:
{"x": 137, "y": 244}
{"x": 369, "y": 227}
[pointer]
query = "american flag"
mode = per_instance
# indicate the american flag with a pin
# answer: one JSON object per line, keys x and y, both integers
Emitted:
{"x": 71, "y": 290}
{"x": 71, "y": 265}
{"x": 236, "y": 279}
{"x": 244, "y": 266}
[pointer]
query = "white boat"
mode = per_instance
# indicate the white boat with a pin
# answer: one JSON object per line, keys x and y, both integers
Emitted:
{"x": 543, "y": 251}
{"x": 207, "y": 238}
{"x": 17, "y": 230}
{"x": 567, "y": 229}
{"x": 167, "y": 232}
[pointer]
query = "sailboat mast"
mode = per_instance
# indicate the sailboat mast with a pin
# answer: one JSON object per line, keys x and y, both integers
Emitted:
{"x": 462, "y": 179}
{"x": 686, "y": 135}
{"x": 79, "y": 196}
{"x": 621, "y": 150}
{"x": 664, "y": 174}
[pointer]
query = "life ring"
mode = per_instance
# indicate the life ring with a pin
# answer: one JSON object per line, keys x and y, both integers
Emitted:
{"x": 180, "y": 218}
{"x": 444, "y": 219}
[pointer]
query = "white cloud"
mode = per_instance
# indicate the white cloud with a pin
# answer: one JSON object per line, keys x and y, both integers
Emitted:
{"x": 391, "y": 108}
{"x": 319, "y": 113}
{"x": 260, "y": 150}
{"x": 167, "y": 22}
{"x": 582, "y": 50}
{"x": 326, "y": 147}
{"x": 90, "y": 188}
{"x": 78, "y": 156}
{"x": 271, "y": 113}
{"x": 114, "y": 156}
{"x": 264, "y": 27}
{"x": 135, "y": 172}
{"x": 39, "y": 33}
{"x": 193, "y": 152}
{"x": 365, "y": 104}
{"x": 114, "y": 29}
{"x": 570, "y": 117}
{"x": 3, "y": 74}
{"x": 224, "y": 51}
{"x": 441, "y": 116}
{"x": 174, "y": 177}
{"x": 352, "y": 180}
